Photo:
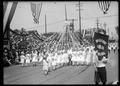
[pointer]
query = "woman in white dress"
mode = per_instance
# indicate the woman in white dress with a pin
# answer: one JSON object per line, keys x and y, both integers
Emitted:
{"x": 58, "y": 61}
{"x": 79, "y": 57}
{"x": 53, "y": 62}
{"x": 40, "y": 57}
{"x": 49, "y": 62}
{"x": 88, "y": 59}
{"x": 27, "y": 59}
{"x": 35, "y": 58}
{"x": 83, "y": 57}
{"x": 22, "y": 59}
{"x": 73, "y": 58}
{"x": 45, "y": 66}
{"x": 86, "y": 56}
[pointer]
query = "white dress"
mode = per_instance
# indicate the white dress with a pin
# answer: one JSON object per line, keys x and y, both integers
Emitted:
{"x": 45, "y": 65}
{"x": 40, "y": 57}
{"x": 22, "y": 59}
{"x": 53, "y": 61}
{"x": 34, "y": 57}
{"x": 27, "y": 58}
{"x": 88, "y": 59}
{"x": 65, "y": 58}
{"x": 79, "y": 57}
{"x": 49, "y": 61}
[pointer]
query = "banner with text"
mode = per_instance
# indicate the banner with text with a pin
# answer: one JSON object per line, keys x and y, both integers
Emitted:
{"x": 101, "y": 45}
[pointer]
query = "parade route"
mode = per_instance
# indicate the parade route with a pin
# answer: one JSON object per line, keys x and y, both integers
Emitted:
{"x": 66, "y": 75}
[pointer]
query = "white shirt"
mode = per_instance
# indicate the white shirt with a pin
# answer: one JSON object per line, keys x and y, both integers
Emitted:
{"x": 97, "y": 62}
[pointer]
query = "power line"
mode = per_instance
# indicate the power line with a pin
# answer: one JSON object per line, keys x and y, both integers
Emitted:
{"x": 98, "y": 17}
{"x": 47, "y": 24}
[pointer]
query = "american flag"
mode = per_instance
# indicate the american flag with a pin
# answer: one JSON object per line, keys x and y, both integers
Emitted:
{"x": 104, "y": 6}
{"x": 36, "y": 10}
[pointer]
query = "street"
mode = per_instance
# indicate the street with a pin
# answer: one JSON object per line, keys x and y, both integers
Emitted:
{"x": 66, "y": 75}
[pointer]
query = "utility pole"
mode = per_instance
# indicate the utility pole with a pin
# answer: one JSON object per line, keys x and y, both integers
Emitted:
{"x": 79, "y": 5}
{"x": 65, "y": 13}
{"x": 105, "y": 27}
{"x": 97, "y": 24}
{"x": 79, "y": 18}
{"x": 45, "y": 24}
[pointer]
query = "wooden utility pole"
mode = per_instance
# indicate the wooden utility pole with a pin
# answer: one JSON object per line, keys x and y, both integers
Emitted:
{"x": 79, "y": 18}
{"x": 105, "y": 27}
{"x": 45, "y": 24}
{"x": 65, "y": 13}
{"x": 79, "y": 5}
{"x": 97, "y": 24}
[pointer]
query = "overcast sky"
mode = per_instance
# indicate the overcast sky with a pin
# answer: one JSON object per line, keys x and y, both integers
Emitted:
{"x": 55, "y": 12}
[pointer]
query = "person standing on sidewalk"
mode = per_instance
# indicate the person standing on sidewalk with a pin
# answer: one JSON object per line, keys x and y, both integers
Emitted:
{"x": 100, "y": 69}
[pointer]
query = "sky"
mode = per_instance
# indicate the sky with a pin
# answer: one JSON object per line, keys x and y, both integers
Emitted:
{"x": 55, "y": 12}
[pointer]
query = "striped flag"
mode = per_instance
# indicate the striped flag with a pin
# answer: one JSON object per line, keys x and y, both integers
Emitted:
{"x": 36, "y": 10}
{"x": 104, "y": 6}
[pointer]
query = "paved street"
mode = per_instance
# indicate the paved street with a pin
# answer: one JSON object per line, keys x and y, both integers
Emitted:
{"x": 65, "y": 75}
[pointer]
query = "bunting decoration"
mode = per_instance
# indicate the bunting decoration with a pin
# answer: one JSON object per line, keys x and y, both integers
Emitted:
{"x": 36, "y": 10}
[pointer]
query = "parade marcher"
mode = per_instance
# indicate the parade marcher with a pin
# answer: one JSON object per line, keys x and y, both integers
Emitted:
{"x": 100, "y": 66}
{"x": 49, "y": 60}
{"x": 45, "y": 66}
{"x": 34, "y": 58}
{"x": 109, "y": 48}
{"x": 22, "y": 59}
{"x": 27, "y": 59}
{"x": 17, "y": 57}
{"x": 87, "y": 56}
{"x": 100, "y": 72}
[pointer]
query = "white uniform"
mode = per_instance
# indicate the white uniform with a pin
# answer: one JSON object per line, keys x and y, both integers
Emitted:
{"x": 97, "y": 62}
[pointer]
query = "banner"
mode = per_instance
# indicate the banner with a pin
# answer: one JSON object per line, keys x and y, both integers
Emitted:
{"x": 101, "y": 45}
